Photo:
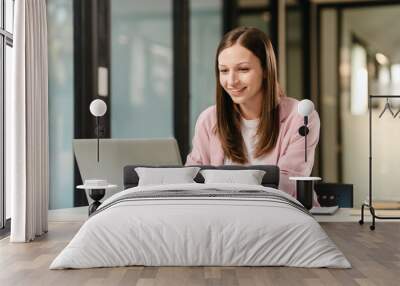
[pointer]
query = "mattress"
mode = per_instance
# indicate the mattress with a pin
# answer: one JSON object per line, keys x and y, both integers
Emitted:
{"x": 201, "y": 225}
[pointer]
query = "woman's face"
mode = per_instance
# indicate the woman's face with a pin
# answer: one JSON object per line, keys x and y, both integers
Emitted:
{"x": 240, "y": 74}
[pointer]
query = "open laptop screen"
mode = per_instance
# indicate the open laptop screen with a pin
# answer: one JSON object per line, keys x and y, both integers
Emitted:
{"x": 115, "y": 154}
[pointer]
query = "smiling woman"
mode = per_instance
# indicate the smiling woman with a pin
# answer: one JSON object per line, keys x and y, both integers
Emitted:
{"x": 241, "y": 75}
{"x": 253, "y": 122}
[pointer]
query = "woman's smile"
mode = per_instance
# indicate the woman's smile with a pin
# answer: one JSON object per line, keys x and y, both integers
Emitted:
{"x": 236, "y": 91}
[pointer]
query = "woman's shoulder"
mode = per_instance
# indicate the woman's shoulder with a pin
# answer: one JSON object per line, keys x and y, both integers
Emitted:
{"x": 288, "y": 104}
{"x": 288, "y": 109}
{"x": 208, "y": 117}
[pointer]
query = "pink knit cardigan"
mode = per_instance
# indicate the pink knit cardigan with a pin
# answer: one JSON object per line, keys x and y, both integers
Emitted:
{"x": 288, "y": 153}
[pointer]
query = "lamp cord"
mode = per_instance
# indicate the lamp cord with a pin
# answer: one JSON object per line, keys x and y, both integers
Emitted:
{"x": 97, "y": 133}
{"x": 305, "y": 137}
{"x": 305, "y": 147}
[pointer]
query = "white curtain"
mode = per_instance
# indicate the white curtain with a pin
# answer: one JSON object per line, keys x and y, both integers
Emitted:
{"x": 27, "y": 124}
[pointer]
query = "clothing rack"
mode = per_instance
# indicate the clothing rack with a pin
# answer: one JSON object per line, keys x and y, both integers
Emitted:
{"x": 369, "y": 203}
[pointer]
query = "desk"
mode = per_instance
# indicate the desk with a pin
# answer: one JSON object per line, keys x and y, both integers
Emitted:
{"x": 342, "y": 215}
{"x": 305, "y": 190}
{"x": 349, "y": 215}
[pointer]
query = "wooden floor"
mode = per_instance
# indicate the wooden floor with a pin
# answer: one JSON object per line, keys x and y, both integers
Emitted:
{"x": 375, "y": 256}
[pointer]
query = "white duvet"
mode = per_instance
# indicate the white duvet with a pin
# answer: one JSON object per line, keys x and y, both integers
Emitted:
{"x": 200, "y": 231}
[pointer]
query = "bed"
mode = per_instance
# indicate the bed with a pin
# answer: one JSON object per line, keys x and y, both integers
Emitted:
{"x": 201, "y": 224}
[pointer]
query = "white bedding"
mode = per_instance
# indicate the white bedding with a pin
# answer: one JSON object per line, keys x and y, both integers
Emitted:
{"x": 200, "y": 231}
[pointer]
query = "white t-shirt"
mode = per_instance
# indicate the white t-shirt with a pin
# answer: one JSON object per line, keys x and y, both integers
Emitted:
{"x": 249, "y": 130}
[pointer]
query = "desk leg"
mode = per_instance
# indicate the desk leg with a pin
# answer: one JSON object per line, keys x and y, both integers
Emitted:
{"x": 96, "y": 195}
{"x": 93, "y": 207}
{"x": 304, "y": 191}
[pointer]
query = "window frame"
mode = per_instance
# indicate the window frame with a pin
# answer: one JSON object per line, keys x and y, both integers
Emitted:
{"x": 6, "y": 39}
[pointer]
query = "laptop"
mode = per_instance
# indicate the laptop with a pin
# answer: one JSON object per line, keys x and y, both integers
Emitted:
{"x": 115, "y": 154}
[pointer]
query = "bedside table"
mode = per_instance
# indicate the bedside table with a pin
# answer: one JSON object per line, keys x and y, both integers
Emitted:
{"x": 96, "y": 193}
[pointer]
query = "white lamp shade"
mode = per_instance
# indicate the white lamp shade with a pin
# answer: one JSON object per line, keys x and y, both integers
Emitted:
{"x": 305, "y": 107}
{"x": 98, "y": 107}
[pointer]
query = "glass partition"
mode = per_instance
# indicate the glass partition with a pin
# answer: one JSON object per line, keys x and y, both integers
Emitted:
{"x": 141, "y": 69}
{"x": 261, "y": 20}
{"x": 205, "y": 34}
{"x": 294, "y": 50}
{"x": 253, "y": 3}
{"x": 61, "y": 102}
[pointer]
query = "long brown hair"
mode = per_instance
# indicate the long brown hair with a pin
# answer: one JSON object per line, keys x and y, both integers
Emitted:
{"x": 228, "y": 113}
